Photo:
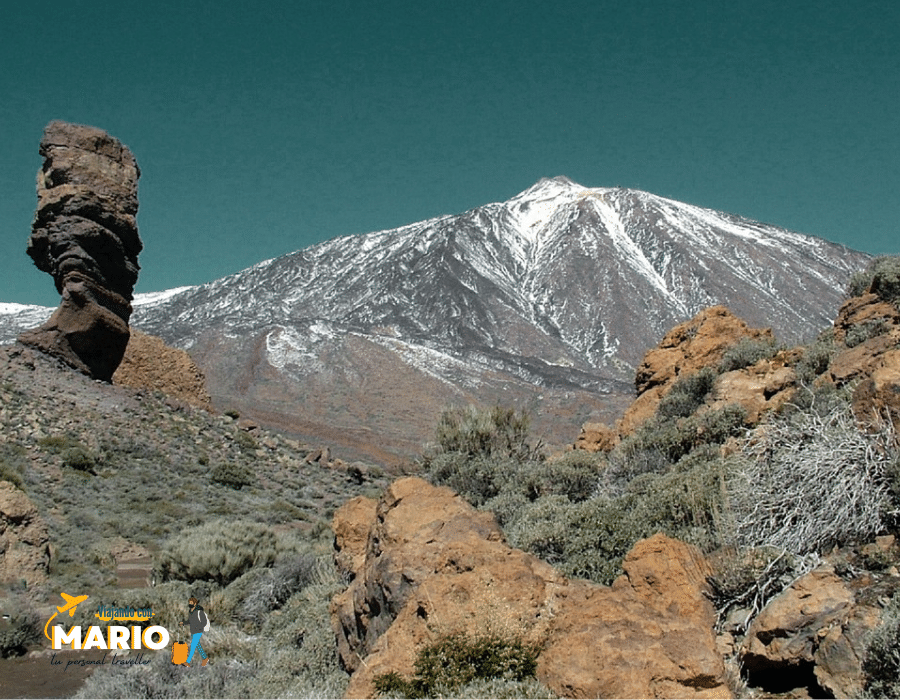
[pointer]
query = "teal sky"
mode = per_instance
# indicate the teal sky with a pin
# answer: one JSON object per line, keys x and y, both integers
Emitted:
{"x": 261, "y": 128}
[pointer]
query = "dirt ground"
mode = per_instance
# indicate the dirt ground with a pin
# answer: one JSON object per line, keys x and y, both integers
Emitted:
{"x": 34, "y": 676}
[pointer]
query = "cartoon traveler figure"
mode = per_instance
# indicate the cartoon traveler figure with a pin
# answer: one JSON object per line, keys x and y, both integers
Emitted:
{"x": 199, "y": 623}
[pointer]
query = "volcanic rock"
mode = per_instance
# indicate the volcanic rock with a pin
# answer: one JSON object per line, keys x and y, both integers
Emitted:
{"x": 687, "y": 348}
{"x": 869, "y": 330}
{"x": 24, "y": 540}
{"x": 431, "y": 563}
{"x": 149, "y": 363}
{"x": 85, "y": 235}
{"x": 813, "y": 633}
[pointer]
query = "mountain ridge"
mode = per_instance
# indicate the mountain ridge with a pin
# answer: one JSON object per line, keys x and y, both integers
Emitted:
{"x": 546, "y": 301}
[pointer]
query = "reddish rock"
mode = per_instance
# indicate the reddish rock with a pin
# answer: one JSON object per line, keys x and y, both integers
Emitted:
{"x": 874, "y": 363}
{"x": 762, "y": 387}
{"x": 813, "y": 623}
{"x": 434, "y": 564}
{"x": 596, "y": 437}
{"x": 24, "y": 540}
{"x": 85, "y": 235}
{"x": 690, "y": 346}
{"x": 150, "y": 364}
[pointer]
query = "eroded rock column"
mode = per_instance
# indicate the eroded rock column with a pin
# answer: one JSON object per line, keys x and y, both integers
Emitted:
{"x": 85, "y": 235}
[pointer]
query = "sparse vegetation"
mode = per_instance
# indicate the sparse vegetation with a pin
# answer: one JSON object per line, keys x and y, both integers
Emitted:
{"x": 747, "y": 352}
{"x": 882, "y": 277}
{"x": 456, "y": 660}
{"x": 805, "y": 481}
{"x": 258, "y": 557}
{"x": 882, "y": 659}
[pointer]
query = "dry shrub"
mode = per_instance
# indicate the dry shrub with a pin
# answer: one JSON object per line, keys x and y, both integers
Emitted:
{"x": 807, "y": 481}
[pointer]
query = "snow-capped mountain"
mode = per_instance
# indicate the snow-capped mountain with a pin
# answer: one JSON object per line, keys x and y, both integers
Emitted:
{"x": 549, "y": 300}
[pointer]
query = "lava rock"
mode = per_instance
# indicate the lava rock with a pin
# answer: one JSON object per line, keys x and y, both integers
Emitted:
{"x": 85, "y": 236}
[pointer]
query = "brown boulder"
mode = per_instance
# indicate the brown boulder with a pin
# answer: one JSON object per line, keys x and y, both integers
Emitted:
{"x": 434, "y": 564}
{"x": 596, "y": 437}
{"x": 762, "y": 387}
{"x": 85, "y": 235}
{"x": 814, "y": 630}
{"x": 149, "y": 363}
{"x": 690, "y": 346}
{"x": 874, "y": 363}
{"x": 650, "y": 635}
{"x": 24, "y": 540}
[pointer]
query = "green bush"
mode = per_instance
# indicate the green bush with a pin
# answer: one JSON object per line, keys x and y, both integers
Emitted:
{"x": 881, "y": 276}
{"x": 456, "y": 659}
{"x": 881, "y": 664}
{"x": 815, "y": 359}
{"x": 574, "y": 475}
{"x": 861, "y": 332}
{"x": 746, "y": 352}
{"x": 13, "y": 461}
{"x": 219, "y": 551}
{"x": 19, "y": 631}
{"x": 687, "y": 394}
{"x": 80, "y": 459}
{"x": 477, "y": 478}
{"x": 495, "y": 432}
{"x": 234, "y": 476}
{"x": 674, "y": 438}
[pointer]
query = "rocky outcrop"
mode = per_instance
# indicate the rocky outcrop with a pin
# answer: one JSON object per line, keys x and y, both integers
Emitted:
{"x": 430, "y": 563}
{"x": 762, "y": 387}
{"x": 687, "y": 348}
{"x": 869, "y": 331}
{"x": 24, "y": 539}
{"x": 813, "y": 636}
{"x": 85, "y": 235}
{"x": 149, "y": 363}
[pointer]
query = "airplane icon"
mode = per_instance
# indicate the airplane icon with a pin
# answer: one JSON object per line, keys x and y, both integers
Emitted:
{"x": 71, "y": 603}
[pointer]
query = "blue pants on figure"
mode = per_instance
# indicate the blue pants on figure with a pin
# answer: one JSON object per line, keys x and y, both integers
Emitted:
{"x": 196, "y": 646}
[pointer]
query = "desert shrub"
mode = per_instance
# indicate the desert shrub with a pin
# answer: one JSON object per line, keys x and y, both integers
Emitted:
{"x": 686, "y": 501}
{"x": 218, "y": 551}
{"x": 599, "y": 533}
{"x": 504, "y": 688}
{"x": 672, "y": 439}
{"x": 881, "y": 663}
{"x": 273, "y": 587}
{"x": 861, "y": 332}
{"x": 541, "y": 528}
{"x": 574, "y": 475}
{"x": 589, "y": 538}
{"x": 456, "y": 659}
{"x": 13, "y": 459}
{"x": 881, "y": 276}
{"x": 477, "y": 478}
{"x": 163, "y": 679}
{"x": 234, "y": 476}
{"x": 815, "y": 359}
{"x": 245, "y": 440}
{"x": 749, "y": 579}
{"x": 806, "y": 481}
{"x": 495, "y": 432}
{"x": 80, "y": 459}
{"x": 507, "y": 505}
{"x": 22, "y": 628}
{"x": 687, "y": 394}
{"x": 746, "y": 352}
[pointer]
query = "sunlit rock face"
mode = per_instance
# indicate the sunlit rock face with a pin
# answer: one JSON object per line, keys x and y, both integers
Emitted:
{"x": 85, "y": 236}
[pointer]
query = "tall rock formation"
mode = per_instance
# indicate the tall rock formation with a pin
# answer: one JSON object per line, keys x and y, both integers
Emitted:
{"x": 85, "y": 235}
